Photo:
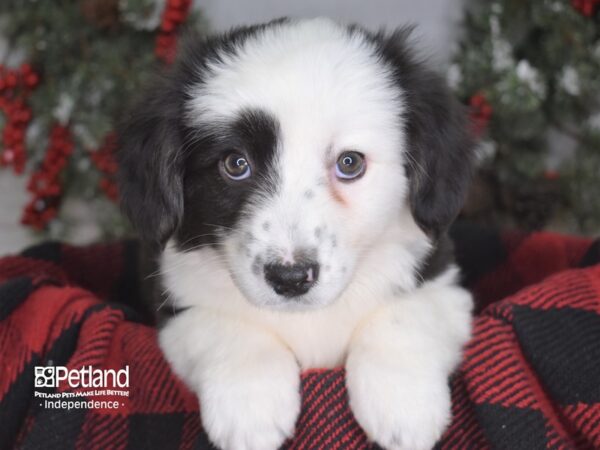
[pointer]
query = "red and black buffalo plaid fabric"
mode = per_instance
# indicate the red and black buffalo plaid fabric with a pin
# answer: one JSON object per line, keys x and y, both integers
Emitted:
{"x": 530, "y": 378}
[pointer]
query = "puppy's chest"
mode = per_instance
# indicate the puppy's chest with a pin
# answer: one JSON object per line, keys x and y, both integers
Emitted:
{"x": 320, "y": 338}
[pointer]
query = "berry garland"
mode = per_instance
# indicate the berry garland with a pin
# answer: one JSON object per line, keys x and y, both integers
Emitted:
{"x": 175, "y": 13}
{"x": 586, "y": 7}
{"x": 45, "y": 183}
{"x": 105, "y": 162}
{"x": 481, "y": 114}
{"x": 15, "y": 88}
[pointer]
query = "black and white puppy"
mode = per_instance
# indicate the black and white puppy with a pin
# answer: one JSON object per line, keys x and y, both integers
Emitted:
{"x": 299, "y": 177}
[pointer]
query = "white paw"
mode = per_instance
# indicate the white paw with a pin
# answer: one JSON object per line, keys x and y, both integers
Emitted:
{"x": 398, "y": 411}
{"x": 255, "y": 409}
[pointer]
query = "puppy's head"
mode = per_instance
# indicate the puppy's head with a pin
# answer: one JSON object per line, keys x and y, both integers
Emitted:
{"x": 287, "y": 151}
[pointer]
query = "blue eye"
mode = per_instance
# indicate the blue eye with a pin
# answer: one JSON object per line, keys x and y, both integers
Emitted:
{"x": 350, "y": 166}
{"x": 236, "y": 166}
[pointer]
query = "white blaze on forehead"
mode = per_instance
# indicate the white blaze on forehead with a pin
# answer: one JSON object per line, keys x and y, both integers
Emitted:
{"x": 323, "y": 84}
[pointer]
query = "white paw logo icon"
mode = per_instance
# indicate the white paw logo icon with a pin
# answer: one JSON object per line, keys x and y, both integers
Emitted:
{"x": 44, "y": 376}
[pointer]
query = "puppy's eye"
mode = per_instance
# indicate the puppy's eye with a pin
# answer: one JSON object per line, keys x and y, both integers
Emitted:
{"x": 236, "y": 166}
{"x": 350, "y": 166}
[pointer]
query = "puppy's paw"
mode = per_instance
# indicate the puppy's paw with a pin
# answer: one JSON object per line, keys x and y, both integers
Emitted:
{"x": 398, "y": 411}
{"x": 254, "y": 409}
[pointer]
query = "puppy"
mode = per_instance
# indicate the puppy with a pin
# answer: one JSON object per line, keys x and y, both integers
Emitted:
{"x": 299, "y": 177}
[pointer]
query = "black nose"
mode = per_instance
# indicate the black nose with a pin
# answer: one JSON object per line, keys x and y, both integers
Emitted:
{"x": 292, "y": 280}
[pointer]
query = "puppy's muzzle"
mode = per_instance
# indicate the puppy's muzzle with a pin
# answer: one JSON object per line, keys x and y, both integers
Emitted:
{"x": 292, "y": 280}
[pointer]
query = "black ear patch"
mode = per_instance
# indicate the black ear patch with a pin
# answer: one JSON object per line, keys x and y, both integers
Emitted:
{"x": 440, "y": 147}
{"x": 150, "y": 163}
{"x": 153, "y": 139}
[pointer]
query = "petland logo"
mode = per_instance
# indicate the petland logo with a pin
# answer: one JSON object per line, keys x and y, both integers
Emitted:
{"x": 86, "y": 377}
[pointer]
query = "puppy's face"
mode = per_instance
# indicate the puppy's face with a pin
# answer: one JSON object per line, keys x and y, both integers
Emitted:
{"x": 283, "y": 153}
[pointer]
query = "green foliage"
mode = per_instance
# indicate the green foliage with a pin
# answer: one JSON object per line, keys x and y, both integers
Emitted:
{"x": 92, "y": 56}
{"x": 537, "y": 63}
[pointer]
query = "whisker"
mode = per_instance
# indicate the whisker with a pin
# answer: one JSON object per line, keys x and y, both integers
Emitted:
{"x": 200, "y": 236}
{"x": 167, "y": 297}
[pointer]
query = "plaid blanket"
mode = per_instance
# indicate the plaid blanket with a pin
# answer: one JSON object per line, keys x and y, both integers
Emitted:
{"x": 530, "y": 378}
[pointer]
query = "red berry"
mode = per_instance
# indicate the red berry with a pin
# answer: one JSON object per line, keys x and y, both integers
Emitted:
{"x": 11, "y": 80}
{"x": 32, "y": 80}
{"x": 551, "y": 175}
{"x": 8, "y": 156}
{"x": 25, "y": 68}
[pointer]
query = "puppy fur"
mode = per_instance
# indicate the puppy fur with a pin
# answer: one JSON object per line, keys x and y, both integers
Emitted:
{"x": 291, "y": 96}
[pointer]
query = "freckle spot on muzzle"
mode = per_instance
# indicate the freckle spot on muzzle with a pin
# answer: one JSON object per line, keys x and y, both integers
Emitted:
{"x": 257, "y": 266}
{"x": 333, "y": 240}
{"x": 318, "y": 232}
{"x": 245, "y": 249}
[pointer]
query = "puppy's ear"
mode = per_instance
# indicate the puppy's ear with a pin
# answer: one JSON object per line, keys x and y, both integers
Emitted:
{"x": 439, "y": 144}
{"x": 149, "y": 157}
